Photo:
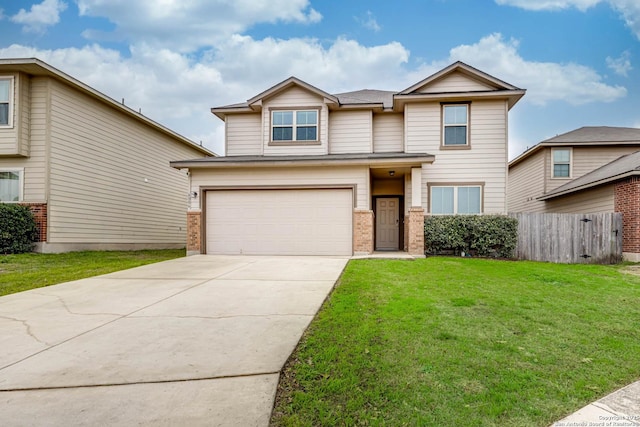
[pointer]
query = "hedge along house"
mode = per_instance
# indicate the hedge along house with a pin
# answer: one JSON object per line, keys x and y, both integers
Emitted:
{"x": 313, "y": 173}
{"x": 95, "y": 173}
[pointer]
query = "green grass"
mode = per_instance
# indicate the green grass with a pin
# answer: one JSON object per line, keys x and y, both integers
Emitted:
{"x": 464, "y": 342}
{"x": 29, "y": 271}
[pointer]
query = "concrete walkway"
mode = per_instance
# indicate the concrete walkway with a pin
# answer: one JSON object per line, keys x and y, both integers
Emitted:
{"x": 193, "y": 341}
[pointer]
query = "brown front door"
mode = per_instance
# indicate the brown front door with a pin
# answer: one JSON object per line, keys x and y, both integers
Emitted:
{"x": 387, "y": 223}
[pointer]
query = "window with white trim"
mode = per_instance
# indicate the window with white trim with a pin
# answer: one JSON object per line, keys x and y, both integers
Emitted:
{"x": 456, "y": 200}
{"x": 561, "y": 162}
{"x": 455, "y": 124}
{"x": 298, "y": 125}
{"x": 11, "y": 185}
{"x": 6, "y": 91}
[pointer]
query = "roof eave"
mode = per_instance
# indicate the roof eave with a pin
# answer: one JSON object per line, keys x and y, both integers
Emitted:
{"x": 539, "y": 146}
{"x": 589, "y": 185}
{"x": 512, "y": 97}
{"x": 268, "y": 163}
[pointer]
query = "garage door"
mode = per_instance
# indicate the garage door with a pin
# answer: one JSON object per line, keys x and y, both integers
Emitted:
{"x": 279, "y": 222}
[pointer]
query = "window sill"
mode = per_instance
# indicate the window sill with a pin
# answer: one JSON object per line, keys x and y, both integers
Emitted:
{"x": 289, "y": 143}
{"x": 455, "y": 147}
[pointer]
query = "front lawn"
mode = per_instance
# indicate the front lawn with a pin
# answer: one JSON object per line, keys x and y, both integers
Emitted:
{"x": 463, "y": 342}
{"x": 28, "y": 271}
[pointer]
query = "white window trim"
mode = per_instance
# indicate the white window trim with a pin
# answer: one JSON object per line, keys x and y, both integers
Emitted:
{"x": 467, "y": 143}
{"x": 294, "y": 126}
{"x": 570, "y": 149}
{"x": 20, "y": 183}
{"x": 455, "y": 198}
{"x": 12, "y": 82}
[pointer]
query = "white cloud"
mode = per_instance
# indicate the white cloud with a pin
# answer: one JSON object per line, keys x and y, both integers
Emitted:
{"x": 620, "y": 65}
{"x": 189, "y": 25}
{"x": 40, "y": 16}
{"x": 545, "y": 81}
{"x": 629, "y": 9}
{"x": 369, "y": 21}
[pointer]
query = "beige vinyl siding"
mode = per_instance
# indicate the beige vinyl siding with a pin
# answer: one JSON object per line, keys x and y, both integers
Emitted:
{"x": 350, "y": 132}
{"x": 34, "y": 166}
{"x": 388, "y": 133}
{"x": 295, "y": 98}
{"x": 281, "y": 177}
{"x": 455, "y": 82}
{"x": 243, "y": 134}
{"x": 596, "y": 200}
{"x": 485, "y": 162}
{"x": 110, "y": 179}
{"x": 526, "y": 183}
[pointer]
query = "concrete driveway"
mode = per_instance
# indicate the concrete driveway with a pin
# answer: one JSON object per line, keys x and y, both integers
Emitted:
{"x": 193, "y": 341}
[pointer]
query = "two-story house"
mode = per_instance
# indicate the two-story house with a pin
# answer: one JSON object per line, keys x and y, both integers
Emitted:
{"x": 95, "y": 173}
{"x": 308, "y": 172}
{"x": 592, "y": 169}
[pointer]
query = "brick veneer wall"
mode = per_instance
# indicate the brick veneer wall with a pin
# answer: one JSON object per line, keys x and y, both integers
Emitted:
{"x": 415, "y": 246}
{"x": 627, "y": 201}
{"x": 193, "y": 231}
{"x": 39, "y": 211}
{"x": 362, "y": 232}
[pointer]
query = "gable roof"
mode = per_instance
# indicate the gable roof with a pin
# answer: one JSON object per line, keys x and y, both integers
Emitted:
{"x": 36, "y": 67}
{"x": 386, "y": 100}
{"x": 465, "y": 69}
{"x": 620, "y": 168}
{"x": 586, "y": 136}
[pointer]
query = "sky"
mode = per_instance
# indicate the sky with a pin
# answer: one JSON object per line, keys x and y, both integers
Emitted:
{"x": 175, "y": 59}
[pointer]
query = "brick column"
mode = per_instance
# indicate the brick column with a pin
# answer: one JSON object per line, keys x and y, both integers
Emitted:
{"x": 193, "y": 232}
{"x": 627, "y": 201}
{"x": 362, "y": 232}
{"x": 39, "y": 211}
{"x": 415, "y": 233}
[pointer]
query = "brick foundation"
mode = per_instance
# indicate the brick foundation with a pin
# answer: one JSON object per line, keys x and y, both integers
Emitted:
{"x": 627, "y": 201}
{"x": 193, "y": 232}
{"x": 362, "y": 232}
{"x": 39, "y": 211}
{"x": 415, "y": 232}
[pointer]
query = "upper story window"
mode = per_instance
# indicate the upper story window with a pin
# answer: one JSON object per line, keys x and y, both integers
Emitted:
{"x": 299, "y": 125}
{"x": 10, "y": 185}
{"x": 455, "y": 125}
{"x": 456, "y": 200}
{"x": 6, "y": 92}
{"x": 561, "y": 162}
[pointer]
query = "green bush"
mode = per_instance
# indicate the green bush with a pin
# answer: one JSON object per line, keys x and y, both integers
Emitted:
{"x": 18, "y": 230}
{"x": 481, "y": 235}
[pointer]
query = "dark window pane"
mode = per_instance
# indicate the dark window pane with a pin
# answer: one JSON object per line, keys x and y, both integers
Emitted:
{"x": 283, "y": 134}
{"x": 306, "y": 133}
{"x": 4, "y": 114}
{"x": 455, "y": 135}
{"x": 561, "y": 171}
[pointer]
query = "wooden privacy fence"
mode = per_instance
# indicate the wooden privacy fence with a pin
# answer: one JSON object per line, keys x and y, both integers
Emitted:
{"x": 569, "y": 238}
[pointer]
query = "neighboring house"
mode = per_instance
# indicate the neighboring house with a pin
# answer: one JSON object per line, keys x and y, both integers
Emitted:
{"x": 588, "y": 170}
{"x": 95, "y": 173}
{"x": 308, "y": 172}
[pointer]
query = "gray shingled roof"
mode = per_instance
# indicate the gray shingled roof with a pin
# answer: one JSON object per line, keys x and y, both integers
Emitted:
{"x": 619, "y": 168}
{"x": 367, "y": 96}
{"x": 598, "y": 134}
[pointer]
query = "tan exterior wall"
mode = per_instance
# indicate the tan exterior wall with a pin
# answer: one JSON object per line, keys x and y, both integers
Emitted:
{"x": 350, "y": 132}
{"x": 388, "y": 133}
{"x": 110, "y": 179}
{"x": 357, "y": 176}
{"x": 484, "y": 162}
{"x": 597, "y": 200}
{"x": 35, "y": 166}
{"x": 526, "y": 183}
{"x": 295, "y": 98}
{"x": 455, "y": 82}
{"x": 243, "y": 134}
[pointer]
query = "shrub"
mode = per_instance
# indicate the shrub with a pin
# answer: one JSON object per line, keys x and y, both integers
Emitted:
{"x": 18, "y": 230}
{"x": 481, "y": 235}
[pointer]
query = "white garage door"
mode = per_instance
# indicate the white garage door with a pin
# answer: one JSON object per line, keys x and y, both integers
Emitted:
{"x": 279, "y": 222}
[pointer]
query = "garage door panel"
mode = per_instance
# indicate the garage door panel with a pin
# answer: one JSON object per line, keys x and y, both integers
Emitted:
{"x": 280, "y": 222}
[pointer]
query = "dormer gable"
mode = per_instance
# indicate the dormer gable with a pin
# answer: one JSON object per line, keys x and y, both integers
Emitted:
{"x": 286, "y": 85}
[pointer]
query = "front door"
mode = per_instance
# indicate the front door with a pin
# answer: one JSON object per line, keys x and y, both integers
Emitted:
{"x": 387, "y": 223}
